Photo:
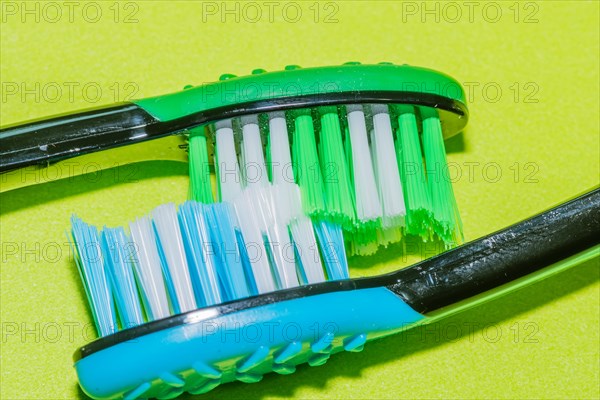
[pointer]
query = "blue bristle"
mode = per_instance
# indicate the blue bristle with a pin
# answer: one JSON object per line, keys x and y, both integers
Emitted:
{"x": 331, "y": 243}
{"x": 227, "y": 256}
{"x": 94, "y": 276}
{"x": 274, "y": 272}
{"x": 166, "y": 274}
{"x": 196, "y": 238}
{"x": 250, "y": 281}
{"x": 117, "y": 249}
{"x": 299, "y": 267}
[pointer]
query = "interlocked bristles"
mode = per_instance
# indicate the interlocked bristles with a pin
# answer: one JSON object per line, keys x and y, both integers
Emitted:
{"x": 288, "y": 200}
{"x": 377, "y": 170}
{"x": 272, "y": 223}
{"x": 178, "y": 260}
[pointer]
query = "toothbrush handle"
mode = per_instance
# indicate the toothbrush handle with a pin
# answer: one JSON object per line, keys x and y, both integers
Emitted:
{"x": 74, "y": 134}
{"x": 501, "y": 257}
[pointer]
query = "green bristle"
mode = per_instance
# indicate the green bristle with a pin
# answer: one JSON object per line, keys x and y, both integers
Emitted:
{"x": 447, "y": 223}
{"x": 366, "y": 240}
{"x": 306, "y": 165}
{"x": 338, "y": 186}
{"x": 363, "y": 241}
{"x": 200, "y": 185}
{"x": 410, "y": 157}
{"x": 389, "y": 236}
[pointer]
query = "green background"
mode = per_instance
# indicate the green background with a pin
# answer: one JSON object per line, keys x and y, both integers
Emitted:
{"x": 528, "y": 146}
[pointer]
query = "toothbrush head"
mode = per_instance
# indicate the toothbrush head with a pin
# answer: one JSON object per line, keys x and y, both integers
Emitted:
{"x": 242, "y": 340}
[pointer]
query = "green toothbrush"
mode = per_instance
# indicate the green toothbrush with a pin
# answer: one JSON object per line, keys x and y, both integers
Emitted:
{"x": 332, "y": 115}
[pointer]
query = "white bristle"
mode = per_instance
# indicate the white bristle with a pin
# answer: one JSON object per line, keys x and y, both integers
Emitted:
{"x": 255, "y": 170}
{"x": 275, "y": 198}
{"x": 303, "y": 233}
{"x": 386, "y": 168}
{"x": 230, "y": 184}
{"x": 368, "y": 206}
{"x": 271, "y": 220}
{"x": 254, "y": 242}
{"x": 169, "y": 235}
{"x": 148, "y": 268}
{"x": 279, "y": 146}
{"x": 306, "y": 244}
{"x": 295, "y": 200}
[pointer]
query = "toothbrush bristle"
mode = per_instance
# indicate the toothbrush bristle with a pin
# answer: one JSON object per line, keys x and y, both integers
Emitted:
{"x": 250, "y": 228}
{"x": 447, "y": 223}
{"x": 225, "y": 245}
{"x": 94, "y": 275}
{"x": 203, "y": 269}
{"x": 306, "y": 165}
{"x": 368, "y": 207}
{"x": 310, "y": 262}
{"x": 118, "y": 250}
{"x": 228, "y": 169}
{"x": 331, "y": 242}
{"x": 387, "y": 174}
{"x": 410, "y": 157}
{"x": 174, "y": 258}
{"x": 254, "y": 167}
{"x": 200, "y": 182}
{"x": 147, "y": 266}
{"x": 339, "y": 195}
{"x": 278, "y": 150}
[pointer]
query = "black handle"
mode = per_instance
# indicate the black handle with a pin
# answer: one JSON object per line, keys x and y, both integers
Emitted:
{"x": 502, "y": 256}
{"x": 70, "y": 135}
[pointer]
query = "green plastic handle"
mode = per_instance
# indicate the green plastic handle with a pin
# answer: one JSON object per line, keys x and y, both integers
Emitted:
{"x": 296, "y": 81}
